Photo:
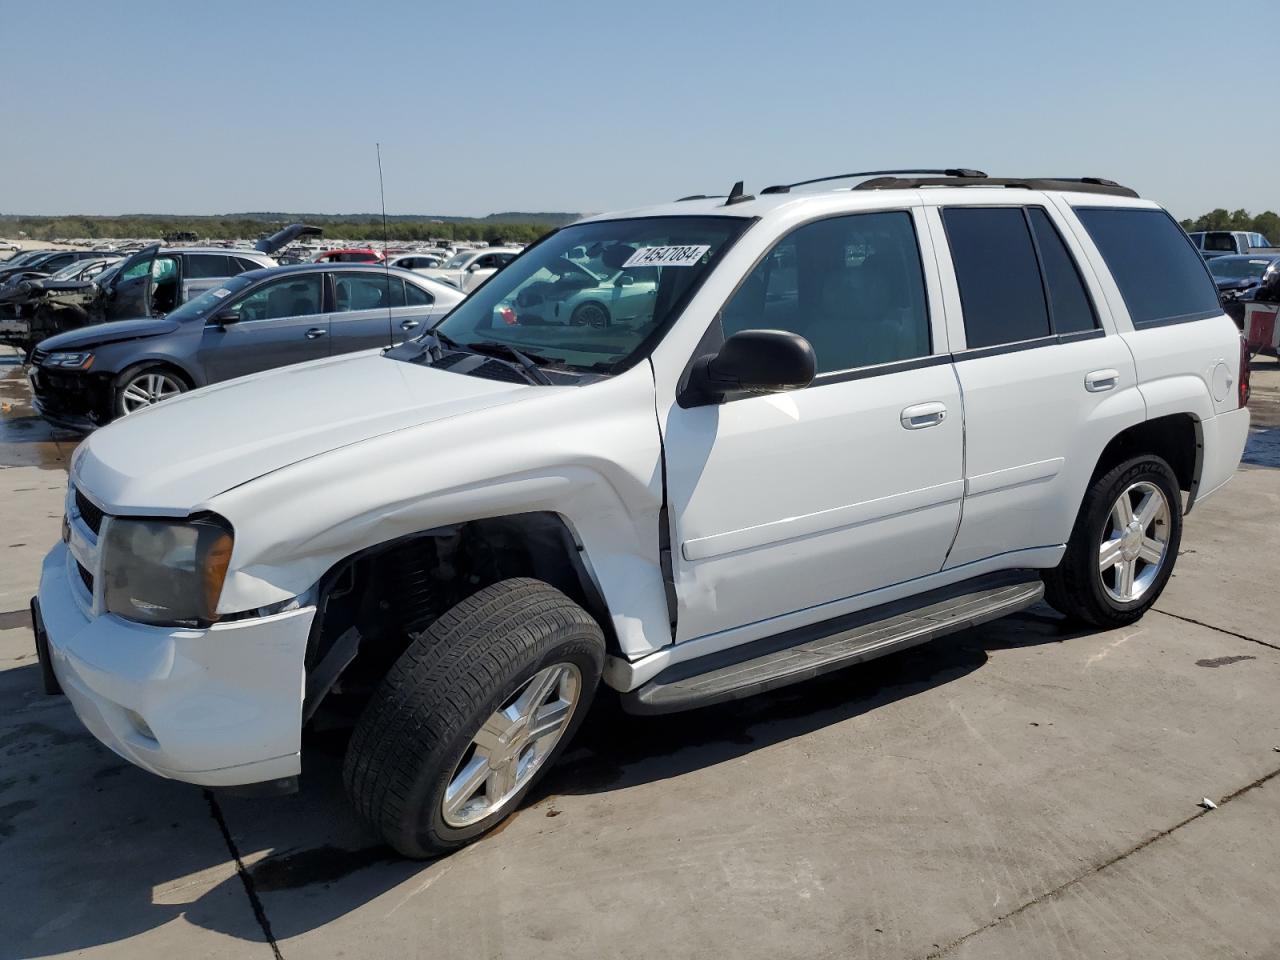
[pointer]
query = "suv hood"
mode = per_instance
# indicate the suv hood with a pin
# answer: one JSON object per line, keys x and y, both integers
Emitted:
{"x": 172, "y": 458}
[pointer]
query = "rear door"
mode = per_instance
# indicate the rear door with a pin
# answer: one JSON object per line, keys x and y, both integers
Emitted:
{"x": 277, "y": 323}
{"x": 1046, "y": 381}
{"x": 363, "y": 304}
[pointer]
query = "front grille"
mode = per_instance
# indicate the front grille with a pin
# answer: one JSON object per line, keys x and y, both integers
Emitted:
{"x": 89, "y": 513}
{"x": 86, "y": 578}
{"x": 38, "y": 357}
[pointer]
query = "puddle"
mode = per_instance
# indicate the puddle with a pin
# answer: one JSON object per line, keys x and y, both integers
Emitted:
{"x": 25, "y": 439}
{"x": 1263, "y": 448}
{"x": 1222, "y": 661}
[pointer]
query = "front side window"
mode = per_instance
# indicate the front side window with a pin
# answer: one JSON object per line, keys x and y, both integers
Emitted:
{"x": 602, "y": 310}
{"x": 999, "y": 279}
{"x": 297, "y": 296}
{"x": 852, "y": 286}
{"x": 1161, "y": 277}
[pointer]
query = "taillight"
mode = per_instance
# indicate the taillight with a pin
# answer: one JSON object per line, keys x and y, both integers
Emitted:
{"x": 1244, "y": 373}
{"x": 508, "y": 316}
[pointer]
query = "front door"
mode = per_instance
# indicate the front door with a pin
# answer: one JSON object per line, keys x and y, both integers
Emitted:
{"x": 784, "y": 503}
{"x": 277, "y": 323}
{"x": 129, "y": 296}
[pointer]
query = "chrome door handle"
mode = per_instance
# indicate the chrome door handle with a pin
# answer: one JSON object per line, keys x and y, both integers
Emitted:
{"x": 409, "y": 324}
{"x": 315, "y": 332}
{"x": 923, "y": 415}
{"x": 1101, "y": 380}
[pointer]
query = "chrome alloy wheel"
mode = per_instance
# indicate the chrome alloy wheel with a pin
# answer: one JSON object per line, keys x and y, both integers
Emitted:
{"x": 147, "y": 388}
{"x": 1135, "y": 542}
{"x": 512, "y": 745}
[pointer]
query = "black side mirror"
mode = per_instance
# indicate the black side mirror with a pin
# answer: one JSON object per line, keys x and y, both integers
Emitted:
{"x": 753, "y": 361}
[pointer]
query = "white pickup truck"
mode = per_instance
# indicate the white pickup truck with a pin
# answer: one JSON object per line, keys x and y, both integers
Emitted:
{"x": 850, "y": 421}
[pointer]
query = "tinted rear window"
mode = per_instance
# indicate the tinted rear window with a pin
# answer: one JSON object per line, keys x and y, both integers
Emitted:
{"x": 999, "y": 278}
{"x": 1070, "y": 308}
{"x": 1160, "y": 275}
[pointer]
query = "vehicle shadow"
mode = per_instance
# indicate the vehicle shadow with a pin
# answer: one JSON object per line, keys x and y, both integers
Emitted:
{"x": 309, "y": 861}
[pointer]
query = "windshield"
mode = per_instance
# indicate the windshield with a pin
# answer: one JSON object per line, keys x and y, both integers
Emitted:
{"x": 71, "y": 270}
{"x": 591, "y": 296}
{"x": 1229, "y": 268}
{"x": 458, "y": 261}
{"x": 210, "y": 301}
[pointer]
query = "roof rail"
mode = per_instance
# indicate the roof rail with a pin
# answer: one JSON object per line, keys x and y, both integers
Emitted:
{"x": 947, "y": 172}
{"x": 1076, "y": 184}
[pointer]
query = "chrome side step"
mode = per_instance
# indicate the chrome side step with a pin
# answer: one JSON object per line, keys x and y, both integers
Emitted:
{"x": 807, "y": 652}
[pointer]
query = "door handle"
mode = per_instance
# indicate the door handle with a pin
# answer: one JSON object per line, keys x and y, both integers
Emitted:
{"x": 316, "y": 332}
{"x": 1101, "y": 380}
{"x": 409, "y": 324}
{"x": 923, "y": 415}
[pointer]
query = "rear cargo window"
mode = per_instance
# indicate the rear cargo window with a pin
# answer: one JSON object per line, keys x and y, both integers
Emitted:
{"x": 1160, "y": 275}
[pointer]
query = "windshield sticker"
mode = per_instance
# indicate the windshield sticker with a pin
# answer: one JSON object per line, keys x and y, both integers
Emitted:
{"x": 682, "y": 256}
{"x": 221, "y": 292}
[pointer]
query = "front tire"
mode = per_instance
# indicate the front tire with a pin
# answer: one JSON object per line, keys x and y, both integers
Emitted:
{"x": 472, "y": 715}
{"x": 1123, "y": 546}
{"x": 591, "y": 314}
{"x": 144, "y": 386}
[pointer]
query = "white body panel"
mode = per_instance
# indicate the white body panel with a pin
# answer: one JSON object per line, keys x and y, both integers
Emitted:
{"x": 783, "y": 510}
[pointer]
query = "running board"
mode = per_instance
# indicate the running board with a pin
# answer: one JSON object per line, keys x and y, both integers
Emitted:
{"x": 807, "y": 652}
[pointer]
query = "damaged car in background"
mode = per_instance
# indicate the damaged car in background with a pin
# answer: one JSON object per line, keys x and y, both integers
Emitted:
{"x": 152, "y": 282}
{"x": 24, "y": 292}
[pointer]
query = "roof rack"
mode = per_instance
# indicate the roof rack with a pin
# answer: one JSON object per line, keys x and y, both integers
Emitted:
{"x": 1076, "y": 184}
{"x": 947, "y": 172}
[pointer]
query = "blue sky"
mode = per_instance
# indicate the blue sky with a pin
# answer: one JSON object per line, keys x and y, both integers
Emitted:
{"x": 228, "y": 106}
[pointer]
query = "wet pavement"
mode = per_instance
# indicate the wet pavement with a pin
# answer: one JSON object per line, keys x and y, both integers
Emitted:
{"x": 1015, "y": 790}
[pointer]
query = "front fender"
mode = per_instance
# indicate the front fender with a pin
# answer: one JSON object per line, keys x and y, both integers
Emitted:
{"x": 590, "y": 455}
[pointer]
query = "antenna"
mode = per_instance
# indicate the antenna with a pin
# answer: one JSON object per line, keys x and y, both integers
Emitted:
{"x": 386, "y": 264}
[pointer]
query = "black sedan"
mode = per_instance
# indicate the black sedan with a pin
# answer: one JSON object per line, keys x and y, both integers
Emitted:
{"x": 252, "y": 322}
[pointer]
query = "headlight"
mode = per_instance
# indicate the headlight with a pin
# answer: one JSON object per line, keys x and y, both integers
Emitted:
{"x": 164, "y": 571}
{"x": 72, "y": 361}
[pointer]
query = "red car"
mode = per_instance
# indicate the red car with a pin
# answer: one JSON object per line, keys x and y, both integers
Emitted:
{"x": 352, "y": 255}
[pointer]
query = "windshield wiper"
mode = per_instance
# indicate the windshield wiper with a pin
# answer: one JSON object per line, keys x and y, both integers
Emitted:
{"x": 529, "y": 362}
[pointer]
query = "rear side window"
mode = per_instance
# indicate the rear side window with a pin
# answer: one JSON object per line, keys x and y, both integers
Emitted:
{"x": 417, "y": 296}
{"x": 852, "y": 286}
{"x": 1070, "y": 309}
{"x": 1000, "y": 291}
{"x": 1160, "y": 275}
{"x": 204, "y": 266}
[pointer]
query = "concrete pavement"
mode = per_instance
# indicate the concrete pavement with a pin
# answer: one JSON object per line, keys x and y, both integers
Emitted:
{"x": 1017, "y": 790}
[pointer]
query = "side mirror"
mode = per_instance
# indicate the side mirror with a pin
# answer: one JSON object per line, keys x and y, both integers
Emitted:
{"x": 624, "y": 280}
{"x": 753, "y": 361}
{"x": 473, "y": 268}
{"x": 224, "y": 317}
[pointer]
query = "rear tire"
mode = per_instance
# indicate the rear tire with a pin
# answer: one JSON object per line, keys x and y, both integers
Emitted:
{"x": 444, "y": 730}
{"x": 1123, "y": 546}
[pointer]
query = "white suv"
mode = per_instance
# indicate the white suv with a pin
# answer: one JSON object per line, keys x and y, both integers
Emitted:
{"x": 850, "y": 421}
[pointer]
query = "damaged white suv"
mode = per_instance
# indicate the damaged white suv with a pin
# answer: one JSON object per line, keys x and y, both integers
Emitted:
{"x": 834, "y": 423}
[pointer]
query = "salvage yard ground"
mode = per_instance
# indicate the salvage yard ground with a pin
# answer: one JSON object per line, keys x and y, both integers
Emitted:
{"x": 1017, "y": 790}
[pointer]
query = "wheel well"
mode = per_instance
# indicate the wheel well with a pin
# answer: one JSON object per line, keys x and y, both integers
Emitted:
{"x": 1174, "y": 438}
{"x": 371, "y": 603}
{"x": 165, "y": 365}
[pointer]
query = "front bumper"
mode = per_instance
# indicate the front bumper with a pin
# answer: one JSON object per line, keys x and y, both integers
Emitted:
{"x": 71, "y": 400}
{"x": 218, "y": 707}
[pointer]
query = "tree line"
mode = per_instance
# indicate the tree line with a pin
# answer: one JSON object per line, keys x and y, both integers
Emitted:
{"x": 223, "y": 228}
{"x": 1266, "y": 223}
